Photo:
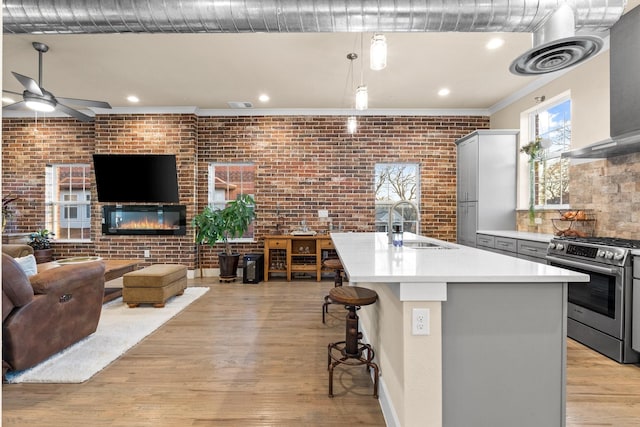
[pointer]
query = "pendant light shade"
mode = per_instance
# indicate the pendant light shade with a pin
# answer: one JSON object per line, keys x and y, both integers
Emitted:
{"x": 362, "y": 98}
{"x": 352, "y": 124}
{"x": 378, "y": 52}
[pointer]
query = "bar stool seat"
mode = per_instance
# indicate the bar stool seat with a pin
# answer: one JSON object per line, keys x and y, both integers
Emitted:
{"x": 336, "y": 265}
{"x": 351, "y": 351}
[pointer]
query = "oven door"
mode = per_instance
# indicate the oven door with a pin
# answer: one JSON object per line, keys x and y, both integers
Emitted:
{"x": 597, "y": 303}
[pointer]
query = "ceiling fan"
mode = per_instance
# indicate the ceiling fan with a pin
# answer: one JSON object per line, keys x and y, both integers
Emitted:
{"x": 39, "y": 99}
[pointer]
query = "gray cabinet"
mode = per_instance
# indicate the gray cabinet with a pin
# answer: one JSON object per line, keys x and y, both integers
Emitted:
{"x": 467, "y": 223}
{"x": 533, "y": 251}
{"x": 635, "y": 316}
{"x": 486, "y": 182}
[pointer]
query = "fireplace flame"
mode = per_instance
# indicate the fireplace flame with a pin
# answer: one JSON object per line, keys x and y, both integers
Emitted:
{"x": 146, "y": 224}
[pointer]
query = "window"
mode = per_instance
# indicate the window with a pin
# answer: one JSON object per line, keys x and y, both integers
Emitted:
{"x": 552, "y": 125}
{"x": 68, "y": 201}
{"x": 226, "y": 182}
{"x": 395, "y": 182}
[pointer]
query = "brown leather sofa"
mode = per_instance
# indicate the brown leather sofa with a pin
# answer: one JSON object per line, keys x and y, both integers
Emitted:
{"x": 17, "y": 250}
{"x": 47, "y": 312}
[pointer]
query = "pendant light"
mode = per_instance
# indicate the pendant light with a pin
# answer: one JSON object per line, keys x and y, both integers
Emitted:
{"x": 362, "y": 98}
{"x": 352, "y": 121}
{"x": 352, "y": 124}
{"x": 362, "y": 95}
{"x": 378, "y": 52}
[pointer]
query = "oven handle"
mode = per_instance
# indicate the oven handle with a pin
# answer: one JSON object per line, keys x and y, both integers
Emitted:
{"x": 581, "y": 266}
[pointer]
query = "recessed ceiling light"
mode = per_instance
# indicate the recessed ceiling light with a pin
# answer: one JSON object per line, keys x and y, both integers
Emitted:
{"x": 264, "y": 97}
{"x": 133, "y": 98}
{"x": 7, "y": 100}
{"x": 495, "y": 43}
{"x": 444, "y": 91}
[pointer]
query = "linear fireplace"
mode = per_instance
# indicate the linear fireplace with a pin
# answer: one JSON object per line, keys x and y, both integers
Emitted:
{"x": 155, "y": 220}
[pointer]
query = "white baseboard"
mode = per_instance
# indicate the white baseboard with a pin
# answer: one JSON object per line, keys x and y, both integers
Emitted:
{"x": 388, "y": 411}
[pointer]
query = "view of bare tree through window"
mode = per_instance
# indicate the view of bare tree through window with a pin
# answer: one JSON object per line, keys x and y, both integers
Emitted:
{"x": 551, "y": 171}
{"x": 395, "y": 182}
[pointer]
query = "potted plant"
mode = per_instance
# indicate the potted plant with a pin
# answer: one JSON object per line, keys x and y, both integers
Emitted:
{"x": 40, "y": 241}
{"x": 220, "y": 225}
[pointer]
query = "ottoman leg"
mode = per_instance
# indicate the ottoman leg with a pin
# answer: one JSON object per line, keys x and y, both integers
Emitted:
{"x": 133, "y": 304}
{"x": 159, "y": 305}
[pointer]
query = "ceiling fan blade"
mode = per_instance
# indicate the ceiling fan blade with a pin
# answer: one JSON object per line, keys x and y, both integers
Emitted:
{"x": 14, "y": 106}
{"x": 84, "y": 102}
{"x": 11, "y": 92}
{"x": 28, "y": 83}
{"x": 74, "y": 113}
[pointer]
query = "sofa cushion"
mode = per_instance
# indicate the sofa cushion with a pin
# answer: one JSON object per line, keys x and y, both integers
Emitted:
{"x": 28, "y": 264}
{"x": 15, "y": 283}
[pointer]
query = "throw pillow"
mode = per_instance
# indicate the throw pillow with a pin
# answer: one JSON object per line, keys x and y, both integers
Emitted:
{"x": 28, "y": 265}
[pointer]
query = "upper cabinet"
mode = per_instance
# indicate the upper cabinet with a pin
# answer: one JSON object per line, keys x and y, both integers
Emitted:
{"x": 486, "y": 180}
{"x": 468, "y": 170}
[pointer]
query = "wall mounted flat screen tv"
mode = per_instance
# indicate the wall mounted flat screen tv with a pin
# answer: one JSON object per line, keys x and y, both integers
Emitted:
{"x": 141, "y": 178}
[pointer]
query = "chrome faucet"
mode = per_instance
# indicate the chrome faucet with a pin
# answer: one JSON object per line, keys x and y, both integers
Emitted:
{"x": 393, "y": 208}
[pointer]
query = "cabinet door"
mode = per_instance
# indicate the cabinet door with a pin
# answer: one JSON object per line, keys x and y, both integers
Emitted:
{"x": 467, "y": 223}
{"x": 468, "y": 170}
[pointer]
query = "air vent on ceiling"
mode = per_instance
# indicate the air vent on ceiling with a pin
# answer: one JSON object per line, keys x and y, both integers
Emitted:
{"x": 239, "y": 104}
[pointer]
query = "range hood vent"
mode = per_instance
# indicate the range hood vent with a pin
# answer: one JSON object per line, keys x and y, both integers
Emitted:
{"x": 624, "y": 92}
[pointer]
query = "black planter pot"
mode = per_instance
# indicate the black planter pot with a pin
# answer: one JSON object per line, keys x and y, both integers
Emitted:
{"x": 228, "y": 265}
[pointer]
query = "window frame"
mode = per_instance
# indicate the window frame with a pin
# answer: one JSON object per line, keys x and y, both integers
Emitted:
{"x": 214, "y": 202}
{"x": 57, "y": 209}
{"x": 382, "y": 226}
{"x": 528, "y": 128}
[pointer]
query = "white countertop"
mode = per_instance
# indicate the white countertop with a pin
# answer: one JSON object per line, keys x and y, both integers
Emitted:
{"x": 367, "y": 257}
{"x": 521, "y": 235}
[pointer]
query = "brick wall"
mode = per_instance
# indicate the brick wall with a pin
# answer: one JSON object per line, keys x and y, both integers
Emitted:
{"x": 304, "y": 163}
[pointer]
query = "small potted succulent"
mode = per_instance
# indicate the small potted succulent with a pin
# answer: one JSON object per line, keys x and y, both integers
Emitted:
{"x": 40, "y": 241}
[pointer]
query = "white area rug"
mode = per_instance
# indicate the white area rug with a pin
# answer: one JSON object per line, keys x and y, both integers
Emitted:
{"x": 119, "y": 329}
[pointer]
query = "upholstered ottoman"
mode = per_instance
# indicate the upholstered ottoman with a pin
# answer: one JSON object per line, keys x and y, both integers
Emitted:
{"x": 154, "y": 284}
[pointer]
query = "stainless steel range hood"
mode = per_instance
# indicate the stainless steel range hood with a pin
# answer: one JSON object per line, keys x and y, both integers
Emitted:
{"x": 625, "y": 92}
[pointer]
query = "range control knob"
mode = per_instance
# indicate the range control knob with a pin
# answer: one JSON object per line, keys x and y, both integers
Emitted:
{"x": 608, "y": 255}
{"x": 600, "y": 253}
{"x": 559, "y": 246}
{"x": 552, "y": 245}
{"x": 618, "y": 257}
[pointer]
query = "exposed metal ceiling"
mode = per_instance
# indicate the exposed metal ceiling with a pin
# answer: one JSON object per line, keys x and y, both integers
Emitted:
{"x": 298, "y": 71}
{"x": 196, "y": 16}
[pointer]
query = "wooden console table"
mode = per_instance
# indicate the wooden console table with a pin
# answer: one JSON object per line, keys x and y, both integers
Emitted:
{"x": 295, "y": 254}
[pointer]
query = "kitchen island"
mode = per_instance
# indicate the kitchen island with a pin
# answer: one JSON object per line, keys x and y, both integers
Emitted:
{"x": 495, "y": 350}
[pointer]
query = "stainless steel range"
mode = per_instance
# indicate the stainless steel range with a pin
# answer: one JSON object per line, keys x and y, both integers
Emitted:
{"x": 600, "y": 311}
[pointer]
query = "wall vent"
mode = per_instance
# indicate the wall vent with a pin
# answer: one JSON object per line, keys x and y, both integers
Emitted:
{"x": 239, "y": 104}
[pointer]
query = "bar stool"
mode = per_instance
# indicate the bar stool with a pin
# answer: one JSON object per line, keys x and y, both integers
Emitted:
{"x": 336, "y": 265}
{"x": 351, "y": 350}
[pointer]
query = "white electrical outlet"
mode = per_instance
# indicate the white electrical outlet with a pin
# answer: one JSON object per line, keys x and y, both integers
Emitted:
{"x": 323, "y": 213}
{"x": 420, "y": 321}
{"x": 537, "y": 220}
{"x": 147, "y": 253}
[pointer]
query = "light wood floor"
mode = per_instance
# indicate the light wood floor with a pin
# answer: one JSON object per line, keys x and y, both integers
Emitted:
{"x": 255, "y": 355}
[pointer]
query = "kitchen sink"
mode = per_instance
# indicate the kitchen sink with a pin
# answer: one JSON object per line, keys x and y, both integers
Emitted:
{"x": 426, "y": 245}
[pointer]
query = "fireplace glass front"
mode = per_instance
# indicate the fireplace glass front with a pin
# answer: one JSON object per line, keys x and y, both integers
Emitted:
{"x": 156, "y": 220}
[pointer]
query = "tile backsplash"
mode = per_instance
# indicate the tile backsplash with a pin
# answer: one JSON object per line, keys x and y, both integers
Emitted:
{"x": 608, "y": 187}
